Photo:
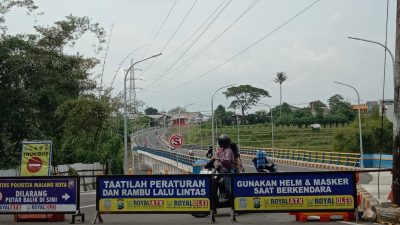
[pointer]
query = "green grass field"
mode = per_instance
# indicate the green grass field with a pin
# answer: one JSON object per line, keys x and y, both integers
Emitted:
{"x": 260, "y": 136}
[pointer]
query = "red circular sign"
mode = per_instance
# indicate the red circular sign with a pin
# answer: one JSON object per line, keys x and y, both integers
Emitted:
{"x": 176, "y": 141}
{"x": 34, "y": 164}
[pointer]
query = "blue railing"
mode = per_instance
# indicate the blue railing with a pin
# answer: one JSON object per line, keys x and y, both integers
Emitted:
{"x": 335, "y": 158}
{"x": 178, "y": 157}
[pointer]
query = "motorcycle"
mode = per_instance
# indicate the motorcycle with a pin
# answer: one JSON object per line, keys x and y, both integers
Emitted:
{"x": 270, "y": 167}
{"x": 220, "y": 198}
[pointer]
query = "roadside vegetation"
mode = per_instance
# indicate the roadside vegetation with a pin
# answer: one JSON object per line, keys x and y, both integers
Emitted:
{"x": 49, "y": 93}
{"x": 337, "y": 132}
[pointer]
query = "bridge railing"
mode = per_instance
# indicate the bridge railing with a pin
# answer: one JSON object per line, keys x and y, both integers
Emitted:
{"x": 337, "y": 158}
{"x": 175, "y": 156}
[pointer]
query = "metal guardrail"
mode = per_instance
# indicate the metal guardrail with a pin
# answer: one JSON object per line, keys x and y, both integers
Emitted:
{"x": 178, "y": 157}
{"x": 336, "y": 158}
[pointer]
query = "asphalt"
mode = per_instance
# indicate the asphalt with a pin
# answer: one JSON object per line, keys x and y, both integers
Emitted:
{"x": 374, "y": 187}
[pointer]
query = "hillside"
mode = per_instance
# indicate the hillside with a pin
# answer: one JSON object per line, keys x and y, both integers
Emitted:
{"x": 260, "y": 136}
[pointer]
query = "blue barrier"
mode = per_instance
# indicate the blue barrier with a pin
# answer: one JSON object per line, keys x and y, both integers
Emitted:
{"x": 372, "y": 161}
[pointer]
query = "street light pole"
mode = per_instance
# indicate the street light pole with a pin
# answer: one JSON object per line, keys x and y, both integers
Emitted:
{"x": 374, "y": 42}
{"x": 212, "y": 116}
{"x": 238, "y": 128}
{"x": 396, "y": 152}
{"x": 126, "y": 114}
{"x": 359, "y": 122}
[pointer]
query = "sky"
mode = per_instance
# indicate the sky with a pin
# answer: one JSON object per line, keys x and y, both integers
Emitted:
{"x": 208, "y": 44}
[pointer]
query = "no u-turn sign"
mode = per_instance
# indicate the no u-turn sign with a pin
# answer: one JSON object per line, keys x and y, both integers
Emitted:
{"x": 176, "y": 141}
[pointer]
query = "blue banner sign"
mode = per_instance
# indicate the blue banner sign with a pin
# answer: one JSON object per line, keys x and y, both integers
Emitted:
{"x": 39, "y": 195}
{"x": 167, "y": 193}
{"x": 294, "y": 191}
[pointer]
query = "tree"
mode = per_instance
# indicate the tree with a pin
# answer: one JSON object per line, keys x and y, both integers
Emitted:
{"x": 83, "y": 138}
{"x": 317, "y": 108}
{"x": 177, "y": 109}
{"x": 37, "y": 78}
{"x": 338, "y": 106}
{"x": 284, "y": 109}
{"x": 246, "y": 96}
{"x": 280, "y": 77}
{"x": 220, "y": 113}
{"x": 6, "y": 5}
{"x": 151, "y": 111}
{"x": 258, "y": 117}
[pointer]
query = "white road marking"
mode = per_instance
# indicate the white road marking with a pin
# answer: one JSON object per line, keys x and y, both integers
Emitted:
{"x": 87, "y": 206}
{"x": 89, "y": 193}
{"x": 345, "y": 222}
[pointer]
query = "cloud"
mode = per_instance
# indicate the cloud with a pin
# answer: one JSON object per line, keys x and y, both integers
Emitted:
{"x": 298, "y": 52}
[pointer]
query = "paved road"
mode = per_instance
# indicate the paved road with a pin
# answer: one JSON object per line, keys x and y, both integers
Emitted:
{"x": 152, "y": 139}
{"x": 88, "y": 208}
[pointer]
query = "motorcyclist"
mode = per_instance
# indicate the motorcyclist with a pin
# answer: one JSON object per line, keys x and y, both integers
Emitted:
{"x": 226, "y": 164}
{"x": 262, "y": 163}
{"x": 210, "y": 152}
{"x": 191, "y": 152}
{"x": 239, "y": 166}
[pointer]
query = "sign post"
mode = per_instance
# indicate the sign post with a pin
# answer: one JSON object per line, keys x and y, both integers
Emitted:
{"x": 36, "y": 158}
{"x": 39, "y": 195}
{"x": 333, "y": 191}
{"x": 153, "y": 194}
{"x": 176, "y": 141}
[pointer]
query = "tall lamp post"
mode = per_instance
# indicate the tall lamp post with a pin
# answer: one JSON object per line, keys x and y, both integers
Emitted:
{"x": 359, "y": 121}
{"x": 126, "y": 114}
{"x": 238, "y": 128}
{"x": 396, "y": 154}
{"x": 212, "y": 116}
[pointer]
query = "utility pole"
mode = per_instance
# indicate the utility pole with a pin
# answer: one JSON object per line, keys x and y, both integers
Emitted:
{"x": 396, "y": 144}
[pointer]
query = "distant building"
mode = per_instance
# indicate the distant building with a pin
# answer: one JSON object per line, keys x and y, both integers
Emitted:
{"x": 371, "y": 105}
{"x": 186, "y": 118}
{"x": 363, "y": 108}
{"x": 385, "y": 103}
{"x": 294, "y": 108}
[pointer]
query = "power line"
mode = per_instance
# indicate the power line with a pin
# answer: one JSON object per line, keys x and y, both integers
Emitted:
{"x": 173, "y": 35}
{"x": 105, "y": 58}
{"x": 122, "y": 62}
{"x": 191, "y": 45}
{"x": 159, "y": 30}
{"x": 209, "y": 44}
{"x": 252, "y": 45}
{"x": 195, "y": 32}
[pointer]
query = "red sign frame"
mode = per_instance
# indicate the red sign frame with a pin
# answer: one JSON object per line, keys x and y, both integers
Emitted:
{"x": 176, "y": 141}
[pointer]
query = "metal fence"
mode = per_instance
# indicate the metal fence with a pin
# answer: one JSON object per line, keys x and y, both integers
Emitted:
{"x": 334, "y": 158}
{"x": 178, "y": 157}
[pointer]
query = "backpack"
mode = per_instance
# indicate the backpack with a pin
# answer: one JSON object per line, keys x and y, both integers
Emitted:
{"x": 261, "y": 159}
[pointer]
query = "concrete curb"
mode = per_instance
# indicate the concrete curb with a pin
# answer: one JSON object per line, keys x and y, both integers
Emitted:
{"x": 384, "y": 212}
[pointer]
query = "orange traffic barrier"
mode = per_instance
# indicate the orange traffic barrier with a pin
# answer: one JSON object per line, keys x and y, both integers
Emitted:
{"x": 390, "y": 196}
{"x": 39, "y": 217}
{"x": 323, "y": 216}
